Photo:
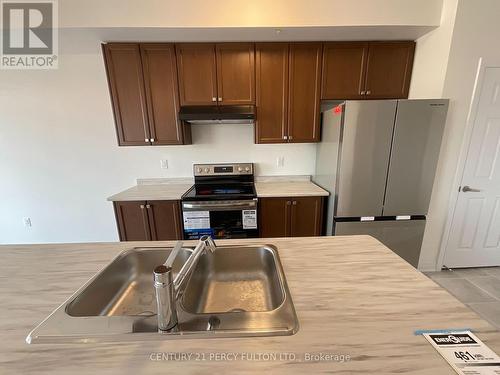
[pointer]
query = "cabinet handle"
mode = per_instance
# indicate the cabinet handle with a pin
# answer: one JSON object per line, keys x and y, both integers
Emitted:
{"x": 294, "y": 203}
{"x": 148, "y": 206}
{"x": 214, "y": 99}
{"x": 363, "y": 92}
{"x": 146, "y": 140}
{"x": 142, "y": 207}
{"x": 285, "y": 137}
{"x": 152, "y": 140}
{"x": 368, "y": 92}
{"x": 288, "y": 203}
{"x": 220, "y": 99}
{"x": 290, "y": 137}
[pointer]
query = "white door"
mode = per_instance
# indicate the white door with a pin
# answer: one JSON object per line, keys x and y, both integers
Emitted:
{"x": 474, "y": 238}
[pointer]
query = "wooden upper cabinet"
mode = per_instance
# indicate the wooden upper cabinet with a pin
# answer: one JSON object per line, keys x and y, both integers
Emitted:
{"x": 274, "y": 217}
{"x": 271, "y": 92}
{"x": 306, "y": 216}
{"x": 304, "y": 92}
{"x": 160, "y": 79}
{"x": 164, "y": 220}
{"x": 132, "y": 221}
{"x": 235, "y": 73}
{"x": 344, "y": 70}
{"x": 126, "y": 84}
{"x": 388, "y": 70}
{"x": 197, "y": 71}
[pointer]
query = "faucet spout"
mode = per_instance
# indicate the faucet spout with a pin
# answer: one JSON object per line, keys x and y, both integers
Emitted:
{"x": 169, "y": 290}
{"x": 165, "y": 298}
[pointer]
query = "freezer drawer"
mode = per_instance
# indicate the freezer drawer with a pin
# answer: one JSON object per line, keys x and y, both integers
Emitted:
{"x": 364, "y": 157}
{"x": 414, "y": 155}
{"x": 404, "y": 237}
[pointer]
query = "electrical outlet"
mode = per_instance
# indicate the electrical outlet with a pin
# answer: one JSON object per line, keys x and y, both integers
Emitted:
{"x": 164, "y": 164}
{"x": 27, "y": 222}
{"x": 280, "y": 161}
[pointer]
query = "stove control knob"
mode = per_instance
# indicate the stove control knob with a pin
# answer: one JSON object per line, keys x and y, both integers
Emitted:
{"x": 247, "y": 169}
{"x": 207, "y": 170}
{"x": 200, "y": 170}
{"x": 240, "y": 169}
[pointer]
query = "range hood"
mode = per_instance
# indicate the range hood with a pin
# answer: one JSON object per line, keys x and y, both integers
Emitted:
{"x": 210, "y": 114}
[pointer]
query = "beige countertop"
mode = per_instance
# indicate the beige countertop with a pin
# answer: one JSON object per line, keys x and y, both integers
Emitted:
{"x": 152, "y": 192}
{"x": 286, "y": 186}
{"x": 288, "y": 189}
{"x": 352, "y": 295}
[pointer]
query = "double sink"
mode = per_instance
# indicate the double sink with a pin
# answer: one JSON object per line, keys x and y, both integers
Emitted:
{"x": 237, "y": 291}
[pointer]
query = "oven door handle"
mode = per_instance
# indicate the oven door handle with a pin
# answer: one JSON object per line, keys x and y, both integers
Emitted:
{"x": 215, "y": 206}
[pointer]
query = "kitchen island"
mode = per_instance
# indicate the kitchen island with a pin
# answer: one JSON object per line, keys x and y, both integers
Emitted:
{"x": 357, "y": 302}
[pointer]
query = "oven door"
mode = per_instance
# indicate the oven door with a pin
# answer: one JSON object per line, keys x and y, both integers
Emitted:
{"x": 220, "y": 219}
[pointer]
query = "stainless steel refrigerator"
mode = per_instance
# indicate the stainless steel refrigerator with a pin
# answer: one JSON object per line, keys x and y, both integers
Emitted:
{"x": 378, "y": 158}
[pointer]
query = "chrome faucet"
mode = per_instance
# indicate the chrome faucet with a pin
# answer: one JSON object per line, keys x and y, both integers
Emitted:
{"x": 169, "y": 290}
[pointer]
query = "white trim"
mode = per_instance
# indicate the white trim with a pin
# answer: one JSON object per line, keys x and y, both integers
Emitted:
{"x": 464, "y": 150}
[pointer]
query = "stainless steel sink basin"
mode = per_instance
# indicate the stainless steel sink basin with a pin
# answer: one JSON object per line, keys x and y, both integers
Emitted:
{"x": 125, "y": 286}
{"x": 235, "y": 280}
{"x": 238, "y": 291}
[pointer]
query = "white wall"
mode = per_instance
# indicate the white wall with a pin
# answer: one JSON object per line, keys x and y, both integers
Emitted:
{"x": 476, "y": 34}
{"x": 431, "y": 56}
{"x": 244, "y": 13}
{"x": 59, "y": 158}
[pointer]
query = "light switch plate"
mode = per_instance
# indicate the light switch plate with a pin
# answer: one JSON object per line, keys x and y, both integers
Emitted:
{"x": 164, "y": 164}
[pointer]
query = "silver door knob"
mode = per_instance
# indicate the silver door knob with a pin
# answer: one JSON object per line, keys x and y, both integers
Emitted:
{"x": 468, "y": 189}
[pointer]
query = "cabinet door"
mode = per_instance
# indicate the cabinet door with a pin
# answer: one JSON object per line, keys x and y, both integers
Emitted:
{"x": 160, "y": 79}
{"x": 304, "y": 92}
{"x": 272, "y": 92}
{"x": 307, "y": 216}
{"x": 235, "y": 73}
{"x": 197, "y": 73}
{"x": 126, "y": 85}
{"x": 274, "y": 217}
{"x": 388, "y": 70}
{"x": 343, "y": 74}
{"x": 132, "y": 221}
{"x": 164, "y": 220}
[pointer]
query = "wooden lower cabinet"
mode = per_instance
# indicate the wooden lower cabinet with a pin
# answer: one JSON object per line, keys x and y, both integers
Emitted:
{"x": 306, "y": 216}
{"x": 274, "y": 217}
{"x": 148, "y": 220}
{"x": 291, "y": 216}
{"x": 164, "y": 220}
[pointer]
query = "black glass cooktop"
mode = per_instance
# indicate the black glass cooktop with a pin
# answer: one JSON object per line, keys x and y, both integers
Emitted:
{"x": 220, "y": 191}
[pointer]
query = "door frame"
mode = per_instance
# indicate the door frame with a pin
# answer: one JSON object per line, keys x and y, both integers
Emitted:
{"x": 482, "y": 65}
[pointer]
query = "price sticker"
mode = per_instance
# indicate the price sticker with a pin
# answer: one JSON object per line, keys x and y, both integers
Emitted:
{"x": 465, "y": 353}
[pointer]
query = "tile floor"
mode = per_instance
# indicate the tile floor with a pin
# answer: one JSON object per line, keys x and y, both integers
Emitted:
{"x": 478, "y": 288}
